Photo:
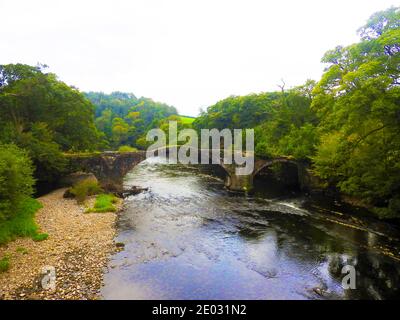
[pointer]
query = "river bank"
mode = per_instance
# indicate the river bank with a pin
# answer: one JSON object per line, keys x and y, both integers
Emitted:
{"x": 78, "y": 247}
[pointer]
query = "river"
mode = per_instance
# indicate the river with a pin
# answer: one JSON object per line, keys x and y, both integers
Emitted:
{"x": 190, "y": 238}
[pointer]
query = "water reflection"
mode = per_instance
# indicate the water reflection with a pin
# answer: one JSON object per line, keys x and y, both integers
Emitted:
{"x": 189, "y": 238}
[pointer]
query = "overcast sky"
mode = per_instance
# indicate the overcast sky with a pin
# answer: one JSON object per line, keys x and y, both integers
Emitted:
{"x": 187, "y": 53}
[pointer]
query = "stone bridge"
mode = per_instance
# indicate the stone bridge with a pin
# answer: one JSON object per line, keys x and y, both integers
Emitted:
{"x": 108, "y": 167}
{"x": 111, "y": 167}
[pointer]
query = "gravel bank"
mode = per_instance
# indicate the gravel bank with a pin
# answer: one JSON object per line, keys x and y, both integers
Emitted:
{"x": 78, "y": 247}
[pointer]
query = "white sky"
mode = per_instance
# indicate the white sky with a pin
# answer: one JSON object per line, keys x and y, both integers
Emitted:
{"x": 187, "y": 53}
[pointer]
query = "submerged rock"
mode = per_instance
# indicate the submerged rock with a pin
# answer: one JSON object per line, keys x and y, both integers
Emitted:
{"x": 134, "y": 190}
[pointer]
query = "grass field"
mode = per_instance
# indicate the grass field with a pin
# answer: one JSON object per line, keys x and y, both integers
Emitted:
{"x": 187, "y": 120}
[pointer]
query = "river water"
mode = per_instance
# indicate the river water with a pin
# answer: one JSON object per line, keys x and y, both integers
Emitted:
{"x": 189, "y": 238}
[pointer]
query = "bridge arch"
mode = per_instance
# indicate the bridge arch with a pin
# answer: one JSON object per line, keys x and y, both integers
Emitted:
{"x": 290, "y": 175}
{"x": 261, "y": 164}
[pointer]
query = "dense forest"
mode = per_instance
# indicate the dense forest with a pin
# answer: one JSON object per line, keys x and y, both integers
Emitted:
{"x": 346, "y": 124}
{"x": 124, "y": 119}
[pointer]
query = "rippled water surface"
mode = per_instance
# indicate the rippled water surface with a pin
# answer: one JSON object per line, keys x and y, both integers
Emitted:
{"x": 189, "y": 238}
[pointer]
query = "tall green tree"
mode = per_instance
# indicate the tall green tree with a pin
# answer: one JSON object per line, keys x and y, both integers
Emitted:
{"x": 358, "y": 103}
{"x": 28, "y": 95}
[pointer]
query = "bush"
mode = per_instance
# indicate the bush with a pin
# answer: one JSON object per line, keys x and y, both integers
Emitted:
{"x": 22, "y": 223}
{"x": 4, "y": 264}
{"x": 126, "y": 149}
{"x": 85, "y": 188}
{"x": 104, "y": 203}
{"x": 16, "y": 179}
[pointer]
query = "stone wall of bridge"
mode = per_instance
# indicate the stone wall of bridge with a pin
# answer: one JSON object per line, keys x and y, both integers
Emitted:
{"x": 110, "y": 168}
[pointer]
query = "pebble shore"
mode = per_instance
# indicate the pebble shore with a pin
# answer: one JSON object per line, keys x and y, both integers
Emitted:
{"x": 78, "y": 247}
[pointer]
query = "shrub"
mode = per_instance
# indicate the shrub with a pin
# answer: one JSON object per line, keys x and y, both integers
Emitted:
{"x": 4, "y": 264}
{"x": 104, "y": 203}
{"x": 85, "y": 188}
{"x": 126, "y": 149}
{"x": 16, "y": 179}
{"x": 22, "y": 223}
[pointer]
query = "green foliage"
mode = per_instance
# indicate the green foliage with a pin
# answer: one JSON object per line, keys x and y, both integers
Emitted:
{"x": 13, "y": 72}
{"x": 299, "y": 142}
{"x": 29, "y": 96}
{"x": 40, "y": 237}
{"x": 119, "y": 131}
{"x": 187, "y": 120}
{"x": 164, "y": 125}
{"x": 290, "y": 128}
{"x": 16, "y": 181}
{"x": 104, "y": 203}
{"x": 44, "y": 116}
{"x": 85, "y": 188}
{"x": 48, "y": 159}
{"x": 125, "y": 119}
{"x": 283, "y": 121}
{"x": 142, "y": 143}
{"x": 4, "y": 264}
{"x": 126, "y": 149}
{"x": 238, "y": 112}
{"x": 21, "y": 223}
{"x": 358, "y": 103}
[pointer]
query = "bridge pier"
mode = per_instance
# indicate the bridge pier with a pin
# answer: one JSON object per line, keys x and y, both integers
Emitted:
{"x": 235, "y": 182}
{"x": 239, "y": 183}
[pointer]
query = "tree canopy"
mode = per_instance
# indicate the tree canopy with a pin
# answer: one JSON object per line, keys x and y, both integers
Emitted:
{"x": 125, "y": 119}
{"x": 358, "y": 104}
{"x": 44, "y": 116}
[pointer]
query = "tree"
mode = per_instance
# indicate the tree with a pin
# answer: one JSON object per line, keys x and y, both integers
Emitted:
{"x": 28, "y": 95}
{"x": 358, "y": 103}
{"x": 120, "y": 131}
{"x": 283, "y": 121}
{"x": 135, "y": 116}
